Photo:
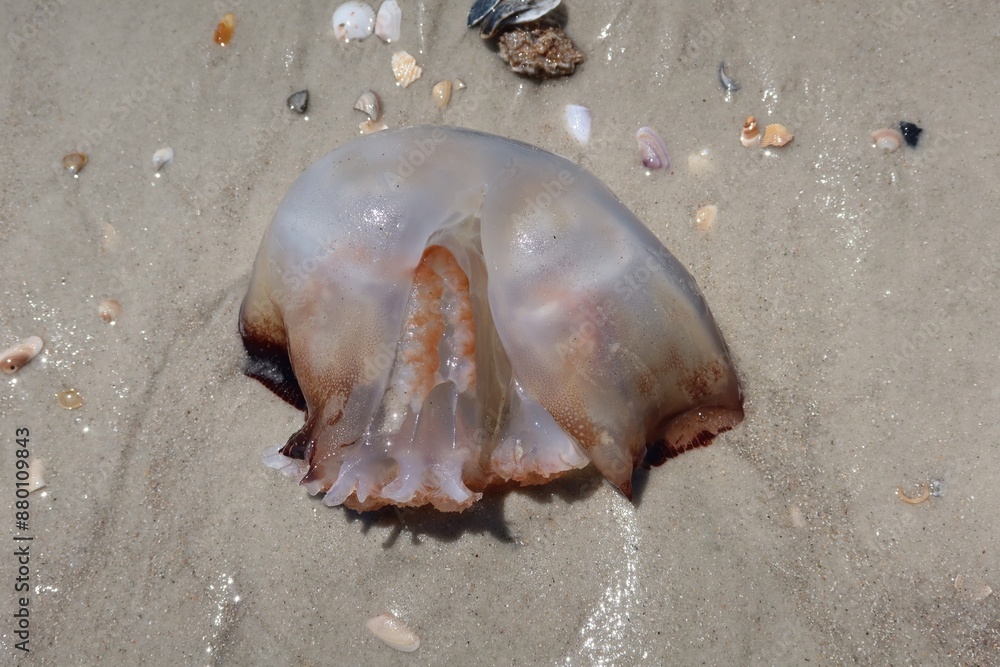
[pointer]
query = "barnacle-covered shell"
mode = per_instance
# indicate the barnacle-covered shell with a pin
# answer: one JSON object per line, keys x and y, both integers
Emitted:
{"x": 500, "y": 317}
{"x": 441, "y": 92}
{"x": 370, "y": 103}
{"x": 887, "y": 139}
{"x": 353, "y": 21}
{"x": 14, "y": 358}
{"x": 539, "y": 51}
{"x": 750, "y": 134}
{"x": 393, "y": 632}
{"x": 405, "y": 68}
{"x": 776, "y": 135}
{"x": 652, "y": 150}
{"x": 389, "y": 21}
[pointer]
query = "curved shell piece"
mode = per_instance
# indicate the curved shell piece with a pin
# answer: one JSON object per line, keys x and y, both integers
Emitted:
{"x": 750, "y": 134}
{"x": 455, "y": 310}
{"x": 389, "y": 21}
{"x": 14, "y": 358}
{"x": 393, "y": 632}
{"x": 370, "y": 104}
{"x": 353, "y": 21}
{"x": 652, "y": 150}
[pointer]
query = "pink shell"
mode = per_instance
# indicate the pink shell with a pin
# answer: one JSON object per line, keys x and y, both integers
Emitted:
{"x": 652, "y": 150}
{"x": 455, "y": 310}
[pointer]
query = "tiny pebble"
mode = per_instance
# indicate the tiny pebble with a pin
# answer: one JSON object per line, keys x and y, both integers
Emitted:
{"x": 74, "y": 162}
{"x": 910, "y": 132}
{"x": 299, "y": 102}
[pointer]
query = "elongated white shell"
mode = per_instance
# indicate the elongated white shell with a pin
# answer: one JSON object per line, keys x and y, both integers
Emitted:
{"x": 455, "y": 310}
{"x": 393, "y": 632}
{"x": 389, "y": 21}
{"x": 578, "y": 122}
{"x": 353, "y": 21}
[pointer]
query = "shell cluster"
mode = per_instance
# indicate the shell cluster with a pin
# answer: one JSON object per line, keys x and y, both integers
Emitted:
{"x": 355, "y": 21}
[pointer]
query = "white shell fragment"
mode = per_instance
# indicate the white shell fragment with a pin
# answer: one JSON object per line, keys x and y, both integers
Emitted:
{"x": 388, "y": 21}
{"x": 353, "y": 21}
{"x": 109, "y": 310}
{"x": 370, "y": 104}
{"x": 405, "y": 68}
{"x": 14, "y": 358}
{"x": 393, "y": 632}
{"x": 578, "y": 122}
{"x": 370, "y": 126}
{"x": 163, "y": 157}
{"x": 36, "y": 475}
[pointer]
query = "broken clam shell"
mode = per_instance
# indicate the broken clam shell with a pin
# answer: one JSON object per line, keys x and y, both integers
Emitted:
{"x": 389, "y": 21}
{"x": 405, "y": 68}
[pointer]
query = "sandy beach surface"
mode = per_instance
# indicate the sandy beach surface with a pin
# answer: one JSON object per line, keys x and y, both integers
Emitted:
{"x": 857, "y": 290}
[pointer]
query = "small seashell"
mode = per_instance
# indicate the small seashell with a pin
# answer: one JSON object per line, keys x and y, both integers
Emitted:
{"x": 299, "y": 102}
{"x": 776, "y": 135}
{"x": 887, "y": 139}
{"x": 459, "y": 84}
{"x": 224, "y": 31}
{"x": 74, "y": 162}
{"x": 441, "y": 92}
{"x": 388, "y": 21}
{"x": 911, "y": 133}
{"x": 109, "y": 310}
{"x": 704, "y": 217}
{"x": 727, "y": 82}
{"x": 70, "y": 399}
{"x": 578, "y": 122}
{"x": 13, "y": 359}
{"x": 393, "y": 632}
{"x": 353, "y": 21}
{"x": 700, "y": 163}
{"x": 405, "y": 68}
{"x": 370, "y": 103}
{"x": 370, "y": 126}
{"x": 750, "y": 134}
{"x": 539, "y": 51}
{"x": 652, "y": 150}
{"x": 163, "y": 157}
{"x": 36, "y": 472}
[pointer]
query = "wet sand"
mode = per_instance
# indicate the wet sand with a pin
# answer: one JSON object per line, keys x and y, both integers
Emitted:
{"x": 857, "y": 291}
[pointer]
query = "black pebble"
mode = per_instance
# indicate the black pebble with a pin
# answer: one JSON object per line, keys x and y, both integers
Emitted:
{"x": 299, "y": 102}
{"x": 911, "y": 133}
